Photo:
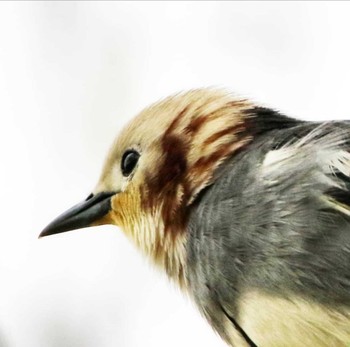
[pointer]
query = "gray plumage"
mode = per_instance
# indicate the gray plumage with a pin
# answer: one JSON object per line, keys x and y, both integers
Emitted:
{"x": 275, "y": 227}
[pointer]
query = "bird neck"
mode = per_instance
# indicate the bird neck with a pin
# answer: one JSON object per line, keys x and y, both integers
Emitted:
{"x": 165, "y": 247}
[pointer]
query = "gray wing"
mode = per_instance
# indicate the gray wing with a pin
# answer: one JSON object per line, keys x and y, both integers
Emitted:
{"x": 277, "y": 219}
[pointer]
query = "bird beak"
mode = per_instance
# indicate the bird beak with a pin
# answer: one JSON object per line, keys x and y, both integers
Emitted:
{"x": 88, "y": 213}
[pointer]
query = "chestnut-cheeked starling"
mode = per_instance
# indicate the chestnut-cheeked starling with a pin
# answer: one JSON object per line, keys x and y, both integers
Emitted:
{"x": 246, "y": 209}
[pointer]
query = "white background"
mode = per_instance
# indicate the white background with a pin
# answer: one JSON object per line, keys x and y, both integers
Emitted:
{"x": 71, "y": 74}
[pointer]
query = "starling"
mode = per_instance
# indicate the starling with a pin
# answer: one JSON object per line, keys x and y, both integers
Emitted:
{"x": 246, "y": 209}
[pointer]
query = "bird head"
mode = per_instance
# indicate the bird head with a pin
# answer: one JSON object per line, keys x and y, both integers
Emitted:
{"x": 156, "y": 169}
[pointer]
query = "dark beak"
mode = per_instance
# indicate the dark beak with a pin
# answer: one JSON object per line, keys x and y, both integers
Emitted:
{"x": 85, "y": 214}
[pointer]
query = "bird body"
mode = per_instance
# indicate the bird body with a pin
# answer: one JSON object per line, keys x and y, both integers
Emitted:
{"x": 247, "y": 210}
{"x": 269, "y": 242}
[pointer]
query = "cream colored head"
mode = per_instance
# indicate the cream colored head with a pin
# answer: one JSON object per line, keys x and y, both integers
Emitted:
{"x": 181, "y": 141}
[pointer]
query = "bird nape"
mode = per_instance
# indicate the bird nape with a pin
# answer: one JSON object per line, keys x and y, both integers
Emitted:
{"x": 246, "y": 209}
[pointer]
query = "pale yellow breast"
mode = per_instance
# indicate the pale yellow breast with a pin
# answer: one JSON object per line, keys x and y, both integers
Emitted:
{"x": 277, "y": 322}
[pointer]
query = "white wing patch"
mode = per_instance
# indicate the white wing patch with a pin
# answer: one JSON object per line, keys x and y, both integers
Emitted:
{"x": 326, "y": 159}
{"x": 277, "y": 157}
{"x": 341, "y": 161}
{"x": 318, "y": 160}
{"x": 321, "y": 148}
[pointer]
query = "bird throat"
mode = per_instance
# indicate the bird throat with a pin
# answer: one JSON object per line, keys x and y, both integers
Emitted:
{"x": 165, "y": 248}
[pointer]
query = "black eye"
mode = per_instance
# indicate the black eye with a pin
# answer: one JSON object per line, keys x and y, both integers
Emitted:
{"x": 129, "y": 161}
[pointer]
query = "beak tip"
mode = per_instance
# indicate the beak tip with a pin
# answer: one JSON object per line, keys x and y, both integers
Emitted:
{"x": 44, "y": 233}
{"x": 82, "y": 215}
{"x": 41, "y": 235}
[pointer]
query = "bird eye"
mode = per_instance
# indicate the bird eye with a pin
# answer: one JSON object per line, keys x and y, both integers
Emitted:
{"x": 129, "y": 161}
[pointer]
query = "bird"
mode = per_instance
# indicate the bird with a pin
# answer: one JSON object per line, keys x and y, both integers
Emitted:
{"x": 244, "y": 208}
